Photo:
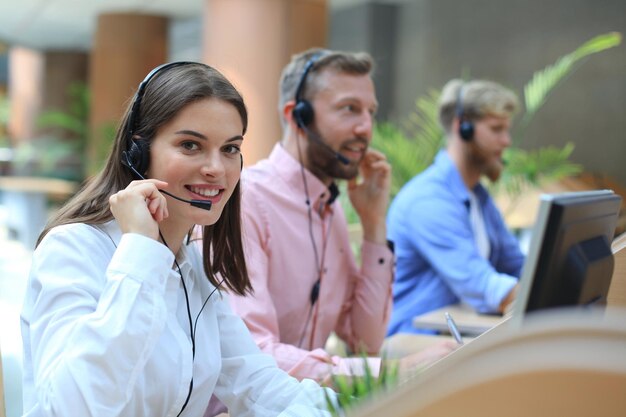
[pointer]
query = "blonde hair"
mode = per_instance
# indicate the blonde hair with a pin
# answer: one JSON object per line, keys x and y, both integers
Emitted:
{"x": 478, "y": 98}
{"x": 357, "y": 63}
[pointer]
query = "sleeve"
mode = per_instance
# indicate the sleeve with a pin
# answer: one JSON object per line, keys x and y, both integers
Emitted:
{"x": 259, "y": 314}
{"x": 91, "y": 325}
{"x": 365, "y": 314}
{"x": 442, "y": 233}
{"x": 511, "y": 259}
{"x": 251, "y": 384}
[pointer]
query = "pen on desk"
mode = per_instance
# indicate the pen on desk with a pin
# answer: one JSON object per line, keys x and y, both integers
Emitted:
{"x": 453, "y": 329}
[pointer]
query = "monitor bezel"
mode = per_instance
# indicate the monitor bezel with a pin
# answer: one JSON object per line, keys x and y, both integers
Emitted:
{"x": 547, "y": 203}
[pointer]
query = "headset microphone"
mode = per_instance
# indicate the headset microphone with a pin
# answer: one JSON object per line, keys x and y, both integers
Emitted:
{"x": 203, "y": 204}
{"x": 312, "y": 135}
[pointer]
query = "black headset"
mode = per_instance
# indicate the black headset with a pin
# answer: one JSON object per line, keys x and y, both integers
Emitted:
{"x": 303, "y": 112}
{"x": 466, "y": 127}
{"x": 137, "y": 154}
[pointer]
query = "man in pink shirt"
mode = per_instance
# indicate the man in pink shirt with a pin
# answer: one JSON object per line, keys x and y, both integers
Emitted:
{"x": 306, "y": 280}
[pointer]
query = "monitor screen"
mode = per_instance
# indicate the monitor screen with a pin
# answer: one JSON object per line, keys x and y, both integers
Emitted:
{"x": 570, "y": 260}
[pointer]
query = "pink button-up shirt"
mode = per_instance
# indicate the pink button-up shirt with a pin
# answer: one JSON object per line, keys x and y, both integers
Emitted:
{"x": 354, "y": 302}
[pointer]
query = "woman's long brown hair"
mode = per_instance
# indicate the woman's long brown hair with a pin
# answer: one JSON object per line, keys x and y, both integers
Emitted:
{"x": 166, "y": 94}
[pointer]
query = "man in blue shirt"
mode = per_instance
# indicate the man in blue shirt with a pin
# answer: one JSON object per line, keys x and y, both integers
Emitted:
{"x": 451, "y": 242}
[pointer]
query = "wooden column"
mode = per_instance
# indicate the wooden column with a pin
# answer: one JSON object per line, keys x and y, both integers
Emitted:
{"x": 250, "y": 42}
{"x": 25, "y": 86}
{"x": 126, "y": 47}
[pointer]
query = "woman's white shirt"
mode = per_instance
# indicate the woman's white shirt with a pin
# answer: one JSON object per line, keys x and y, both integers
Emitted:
{"x": 106, "y": 333}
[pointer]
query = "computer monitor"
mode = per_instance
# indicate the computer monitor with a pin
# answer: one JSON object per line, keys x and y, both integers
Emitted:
{"x": 569, "y": 262}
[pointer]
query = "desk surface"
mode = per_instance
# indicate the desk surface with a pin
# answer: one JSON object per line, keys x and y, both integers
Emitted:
{"x": 52, "y": 186}
{"x": 403, "y": 344}
{"x": 467, "y": 320}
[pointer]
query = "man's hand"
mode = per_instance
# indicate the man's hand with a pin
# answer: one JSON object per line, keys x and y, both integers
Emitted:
{"x": 370, "y": 196}
{"x": 506, "y": 305}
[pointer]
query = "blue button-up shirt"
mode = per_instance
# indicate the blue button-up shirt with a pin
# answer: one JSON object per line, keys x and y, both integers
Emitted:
{"x": 438, "y": 261}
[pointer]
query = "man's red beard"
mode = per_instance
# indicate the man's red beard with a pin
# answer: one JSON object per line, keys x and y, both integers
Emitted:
{"x": 488, "y": 165}
{"x": 493, "y": 171}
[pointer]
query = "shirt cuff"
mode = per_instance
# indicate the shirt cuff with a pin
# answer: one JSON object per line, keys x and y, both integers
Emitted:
{"x": 499, "y": 287}
{"x": 142, "y": 259}
{"x": 375, "y": 256}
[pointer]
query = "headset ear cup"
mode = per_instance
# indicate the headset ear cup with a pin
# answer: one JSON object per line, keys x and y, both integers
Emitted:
{"x": 140, "y": 155}
{"x": 303, "y": 113}
{"x": 466, "y": 130}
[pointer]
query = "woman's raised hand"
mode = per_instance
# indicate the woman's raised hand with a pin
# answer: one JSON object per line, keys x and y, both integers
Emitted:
{"x": 140, "y": 207}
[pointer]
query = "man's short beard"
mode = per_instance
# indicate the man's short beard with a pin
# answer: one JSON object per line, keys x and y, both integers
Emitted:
{"x": 324, "y": 163}
{"x": 492, "y": 170}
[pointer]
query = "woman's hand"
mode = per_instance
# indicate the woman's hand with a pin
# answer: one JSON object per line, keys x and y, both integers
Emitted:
{"x": 411, "y": 364}
{"x": 140, "y": 207}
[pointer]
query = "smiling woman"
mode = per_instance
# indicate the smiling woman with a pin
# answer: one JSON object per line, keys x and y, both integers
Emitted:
{"x": 199, "y": 153}
{"x": 120, "y": 316}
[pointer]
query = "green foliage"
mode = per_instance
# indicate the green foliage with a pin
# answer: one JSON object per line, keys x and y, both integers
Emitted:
{"x": 4, "y": 120}
{"x": 543, "y": 82}
{"x": 106, "y": 132}
{"x": 527, "y": 168}
{"x": 353, "y": 390}
{"x": 414, "y": 153}
{"x": 60, "y": 153}
{"x": 48, "y": 157}
{"x": 4, "y": 110}
{"x": 75, "y": 120}
{"x": 412, "y": 146}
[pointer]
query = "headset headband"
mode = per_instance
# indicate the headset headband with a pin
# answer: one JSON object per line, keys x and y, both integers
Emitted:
{"x": 131, "y": 125}
{"x": 307, "y": 67}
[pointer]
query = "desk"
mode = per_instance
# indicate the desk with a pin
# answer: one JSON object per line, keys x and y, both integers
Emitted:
{"x": 26, "y": 199}
{"x": 403, "y": 344}
{"x": 467, "y": 320}
{"x": 559, "y": 363}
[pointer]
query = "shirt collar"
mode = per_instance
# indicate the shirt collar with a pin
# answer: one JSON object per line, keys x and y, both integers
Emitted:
{"x": 443, "y": 164}
{"x": 290, "y": 170}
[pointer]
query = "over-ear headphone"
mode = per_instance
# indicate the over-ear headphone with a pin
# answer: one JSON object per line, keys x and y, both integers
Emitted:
{"x": 137, "y": 154}
{"x": 303, "y": 112}
{"x": 466, "y": 127}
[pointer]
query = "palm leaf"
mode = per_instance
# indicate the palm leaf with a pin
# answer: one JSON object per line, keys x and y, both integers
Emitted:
{"x": 410, "y": 153}
{"x": 543, "y": 82}
{"x": 532, "y": 168}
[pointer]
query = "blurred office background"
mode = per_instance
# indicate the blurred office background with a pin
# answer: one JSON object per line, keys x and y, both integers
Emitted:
{"x": 68, "y": 68}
